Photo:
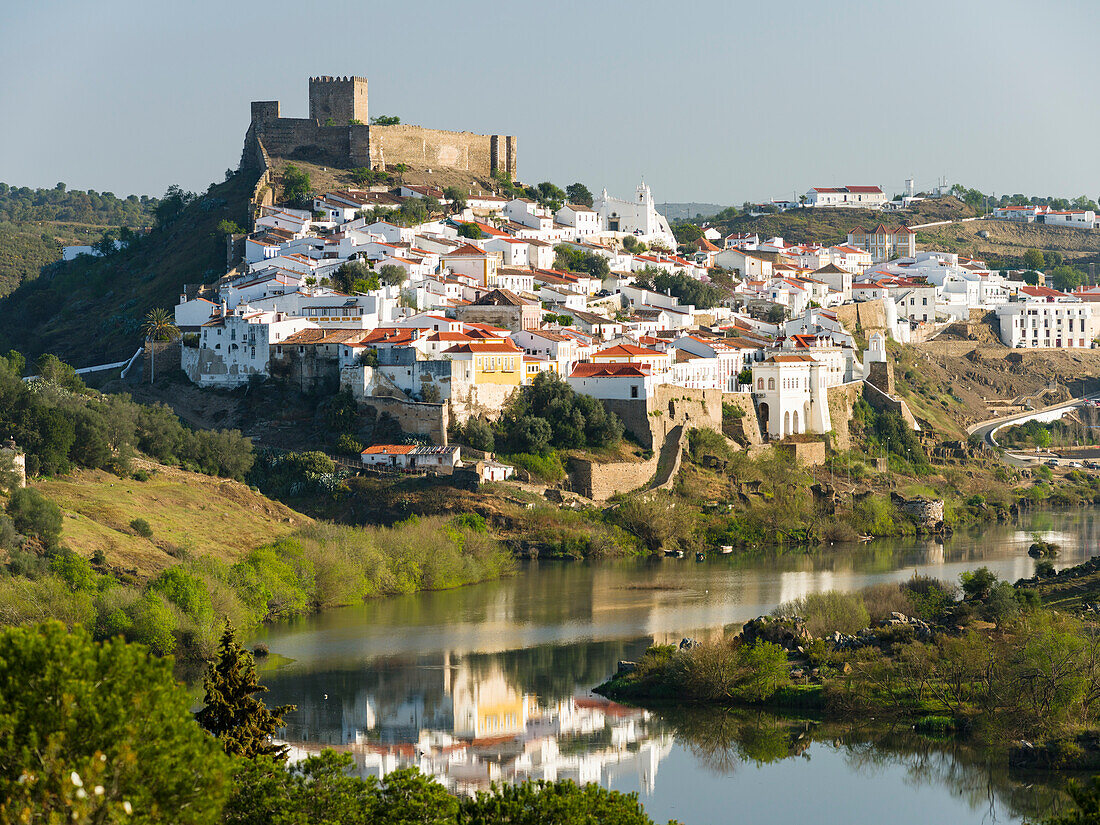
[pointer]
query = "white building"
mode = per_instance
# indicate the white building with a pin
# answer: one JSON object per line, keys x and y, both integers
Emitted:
{"x": 638, "y": 217}
{"x": 859, "y": 197}
{"x": 1045, "y": 318}
{"x": 582, "y": 220}
{"x": 791, "y": 395}
{"x": 235, "y": 347}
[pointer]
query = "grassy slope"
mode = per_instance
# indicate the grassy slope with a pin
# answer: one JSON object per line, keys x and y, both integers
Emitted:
{"x": 831, "y": 226}
{"x": 24, "y": 250}
{"x": 1008, "y": 241}
{"x": 87, "y": 311}
{"x": 206, "y": 516}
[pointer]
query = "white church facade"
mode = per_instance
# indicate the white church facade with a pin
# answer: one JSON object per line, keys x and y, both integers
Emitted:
{"x": 638, "y": 217}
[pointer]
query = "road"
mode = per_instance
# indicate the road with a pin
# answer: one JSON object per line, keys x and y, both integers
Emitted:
{"x": 986, "y": 430}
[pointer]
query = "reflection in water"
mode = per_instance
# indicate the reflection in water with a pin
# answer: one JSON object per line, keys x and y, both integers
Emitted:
{"x": 468, "y": 724}
{"x": 490, "y": 683}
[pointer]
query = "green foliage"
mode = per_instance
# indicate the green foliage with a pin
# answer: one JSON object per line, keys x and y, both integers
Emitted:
{"x": 549, "y": 414}
{"x": 728, "y": 672}
{"x": 348, "y": 445}
{"x": 828, "y": 612}
{"x": 1033, "y": 259}
{"x": 699, "y": 294}
{"x": 471, "y": 231}
{"x": 297, "y": 187}
{"x": 32, "y": 514}
{"x": 476, "y": 433}
{"x": 578, "y": 194}
{"x": 1087, "y": 799}
{"x": 121, "y": 740}
{"x": 364, "y": 176}
{"x": 74, "y": 570}
{"x": 142, "y": 528}
{"x": 355, "y": 276}
{"x": 577, "y": 260}
{"x": 186, "y": 591}
{"x": 704, "y": 442}
{"x": 686, "y": 233}
{"x": 547, "y": 468}
{"x": 456, "y": 197}
{"x": 1066, "y": 278}
{"x": 385, "y": 120}
{"x": 659, "y": 520}
{"x": 232, "y": 711}
{"x": 633, "y": 245}
{"x": 977, "y": 584}
{"x": 153, "y": 624}
{"x": 392, "y": 275}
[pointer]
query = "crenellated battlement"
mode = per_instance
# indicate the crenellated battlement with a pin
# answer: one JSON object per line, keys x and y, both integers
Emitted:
{"x": 338, "y": 132}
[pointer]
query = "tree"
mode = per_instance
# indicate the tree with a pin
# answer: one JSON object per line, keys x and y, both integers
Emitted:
{"x": 1031, "y": 277}
{"x": 456, "y": 197}
{"x": 350, "y": 273}
{"x": 231, "y": 711}
{"x": 158, "y": 326}
{"x": 1087, "y": 799}
{"x": 1033, "y": 259}
{"x": 578, "y": 193}
{"x": 978, "y": 584}
{"x": 686, "y": 233}
{"x": 1066, "y": 278}
{"x": 297, "y": 187}
{"x": 385, "y": 120}
{"x": 392, "y": 275}
{"x": 100, "y": 733}
{"x": 35, "y": 515}
{"x": 549, "y": 195}
{"x": 776, "y": 314}
{"x": 471, "y": 231}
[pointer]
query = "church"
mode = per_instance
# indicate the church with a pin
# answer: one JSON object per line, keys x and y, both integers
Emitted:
{"x": 638, "y": 217}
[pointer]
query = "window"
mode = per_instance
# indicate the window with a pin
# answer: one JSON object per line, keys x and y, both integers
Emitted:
{"x": 760, "y": 383}
{"x": 771, "y": 383}
{"x": 633, "y": 390}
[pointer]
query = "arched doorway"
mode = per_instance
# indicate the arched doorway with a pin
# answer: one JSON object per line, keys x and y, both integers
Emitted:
{"x": 786, "y": 424}
{"x": 765, "y": 419}
{"x": 794, "y": 423}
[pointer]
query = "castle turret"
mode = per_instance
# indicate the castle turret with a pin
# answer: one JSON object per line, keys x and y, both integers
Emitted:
{"x": 336, "y": 101}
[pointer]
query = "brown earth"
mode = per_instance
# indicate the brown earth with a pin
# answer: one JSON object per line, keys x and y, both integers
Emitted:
{"x": 328, "y": 178}
{"x": 1008, "y": 241}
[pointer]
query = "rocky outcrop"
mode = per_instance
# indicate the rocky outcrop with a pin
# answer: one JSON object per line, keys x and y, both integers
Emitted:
{"x": 788, "y": 633}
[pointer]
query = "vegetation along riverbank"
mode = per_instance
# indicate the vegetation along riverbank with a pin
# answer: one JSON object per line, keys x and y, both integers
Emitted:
{"x": 985, "y": 661}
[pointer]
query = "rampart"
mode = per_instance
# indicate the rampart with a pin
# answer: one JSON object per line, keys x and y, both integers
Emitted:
{"x": 338, "y": 133}
{"x": 652, "y": 419}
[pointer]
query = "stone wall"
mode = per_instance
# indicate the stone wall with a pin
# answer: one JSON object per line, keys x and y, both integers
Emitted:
{"x": 746, "y": 429}
{"x": 842, "y": 401}
{"x": 866, "y": 316}
{"x": 808, "y": 453}
{"x": 888, "y": 403}
{"x": 651, "y": 420}
{"x": 600, "y": 482}
{"x": 430, "y": 420}
{"x": 377, "y": 146}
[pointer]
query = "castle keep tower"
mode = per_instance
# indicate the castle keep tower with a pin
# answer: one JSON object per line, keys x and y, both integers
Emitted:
{"x": 340, "y": 99}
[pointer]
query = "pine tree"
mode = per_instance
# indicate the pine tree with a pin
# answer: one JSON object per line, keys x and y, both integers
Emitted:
{"x": 232, "y": 711}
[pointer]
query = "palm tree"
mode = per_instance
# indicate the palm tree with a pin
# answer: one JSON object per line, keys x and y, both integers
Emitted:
{"x": 158, "y": 326}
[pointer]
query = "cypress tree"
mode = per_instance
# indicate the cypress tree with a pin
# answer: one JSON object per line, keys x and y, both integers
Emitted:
{"x": 232, "y": 711}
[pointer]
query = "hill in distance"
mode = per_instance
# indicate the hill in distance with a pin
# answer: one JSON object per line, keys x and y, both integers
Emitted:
{"x": 687, "y": 211}
{"x": 89, "y": 311}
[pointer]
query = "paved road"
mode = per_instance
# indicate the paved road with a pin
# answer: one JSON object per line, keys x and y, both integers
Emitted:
{"x": 986, "y": 430}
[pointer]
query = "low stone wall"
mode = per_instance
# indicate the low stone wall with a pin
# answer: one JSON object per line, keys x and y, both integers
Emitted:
{"x": 416, "y": 417}
{"x": 600, "y": 482}
{"x": 888, "y": 403}
{"x": 807, "y": 453}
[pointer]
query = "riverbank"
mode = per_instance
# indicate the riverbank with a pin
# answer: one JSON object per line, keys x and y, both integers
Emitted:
{"x": 994, "y": 669}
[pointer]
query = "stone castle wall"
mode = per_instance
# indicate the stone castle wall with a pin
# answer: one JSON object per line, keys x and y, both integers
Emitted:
{"x": 651, "y": 420}
{"x": 345, "y": 144}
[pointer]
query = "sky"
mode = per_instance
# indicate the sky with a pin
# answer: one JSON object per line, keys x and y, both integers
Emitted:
{"x": 717, "y": 101}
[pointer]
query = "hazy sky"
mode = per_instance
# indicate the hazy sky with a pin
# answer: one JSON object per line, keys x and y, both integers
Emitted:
{"x": 719, "y": 101}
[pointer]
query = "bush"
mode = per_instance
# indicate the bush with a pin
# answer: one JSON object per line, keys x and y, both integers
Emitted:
{"x": 74, "y": 570}
{"x": 33, "y": 514}
{"x": 704, "y": 442}
{"x": 546, "y": 468}
{"x": 548, "y": 414}
{"x": 348, "y": 445}
{"x": 142, "y": 528}
{"x": 153, "y": 624}
{"x": 828, "y": 612}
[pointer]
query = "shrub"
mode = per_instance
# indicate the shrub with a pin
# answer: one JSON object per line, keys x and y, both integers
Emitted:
{"x": 186, "y": 592}
{"x": 347, "y": 445}
{"x": 74, "y": 570}
{"x": 546, "y": 468}
{"x": 828, "y": 612}
{"x": 142, "y": 528}
{"x": 33, "y": 514}
{"x": 703, "y": 442}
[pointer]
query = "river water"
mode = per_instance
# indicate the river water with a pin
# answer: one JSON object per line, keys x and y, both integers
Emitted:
{"x": 491, "y": 683}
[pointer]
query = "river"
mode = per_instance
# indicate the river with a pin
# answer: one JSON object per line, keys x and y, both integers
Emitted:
{"x": 492, "y": 683}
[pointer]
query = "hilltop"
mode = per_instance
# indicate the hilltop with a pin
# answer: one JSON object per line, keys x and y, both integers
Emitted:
{"x": 831, "y": 226}
{"x": 89, "y": 310}
{"x": 1008, "y": 241}
{"x": 190, "y": 515}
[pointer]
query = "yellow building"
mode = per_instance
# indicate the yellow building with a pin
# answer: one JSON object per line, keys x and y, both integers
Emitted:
{"x": 475, "y": 263}
{"x": 495, "y": 361}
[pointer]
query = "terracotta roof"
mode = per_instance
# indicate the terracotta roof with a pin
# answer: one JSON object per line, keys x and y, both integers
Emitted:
{"x": 586, "y": 370}
{"x": 627, "y": 349}
{"x": 389, "y": 449}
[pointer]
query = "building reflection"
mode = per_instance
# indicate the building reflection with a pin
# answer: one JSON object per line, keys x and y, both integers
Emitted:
{"x": 466, "y": 723}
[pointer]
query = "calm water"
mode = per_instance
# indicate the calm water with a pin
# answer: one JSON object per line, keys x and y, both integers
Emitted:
{"x": 491, "y": 683}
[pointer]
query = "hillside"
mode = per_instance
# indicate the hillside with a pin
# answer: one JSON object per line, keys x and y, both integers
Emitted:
{"x": 36, "y": 223}
{"x": 89, "y": 310}
{"x": 831, "y": 226}
{"x": 1006, "y": 241}
{"x": 189, "y": 513}
{"x": 687, "y": 211}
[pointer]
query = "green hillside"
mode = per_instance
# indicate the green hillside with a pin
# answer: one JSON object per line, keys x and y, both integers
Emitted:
{"x": 831, "y": 226}
{"x": 89, "y": 310}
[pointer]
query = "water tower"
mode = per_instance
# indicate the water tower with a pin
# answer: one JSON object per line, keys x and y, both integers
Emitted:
{"x": 910, "y": 187}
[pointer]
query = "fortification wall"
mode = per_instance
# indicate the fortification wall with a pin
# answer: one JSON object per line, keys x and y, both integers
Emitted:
{"x": 429, "y": 420}
{"x": 842, "y": 401}
{"x": 746, "y": 429}
{"x": 600, "y": 482}
{"x": 651, "y": 420}
{"x": 437, "y": 149}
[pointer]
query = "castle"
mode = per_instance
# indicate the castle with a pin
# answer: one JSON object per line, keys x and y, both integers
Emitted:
{"x": 338, "y": 133}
